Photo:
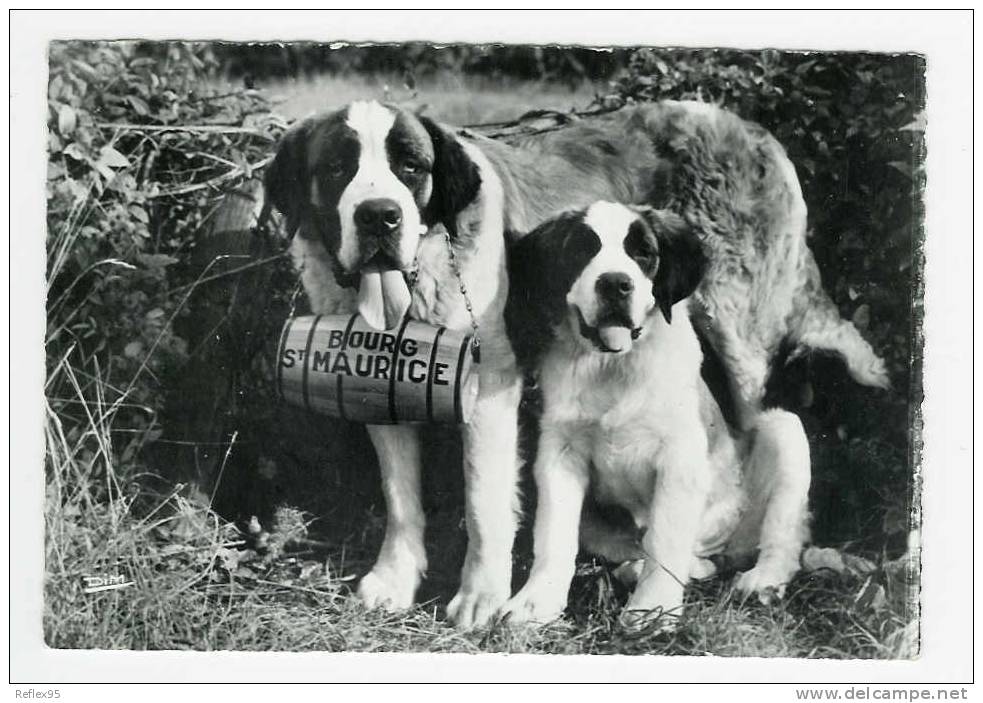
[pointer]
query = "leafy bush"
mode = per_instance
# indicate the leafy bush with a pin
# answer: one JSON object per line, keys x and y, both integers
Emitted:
{"x": 853, "y": 127}
{"x": 140, "y": 155}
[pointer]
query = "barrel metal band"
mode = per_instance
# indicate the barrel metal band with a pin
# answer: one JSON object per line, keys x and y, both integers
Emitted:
{"x": 430, "y": 372}
{"x": 281, "y": 348}
{"x": 340, "y": 391}
{"x": 307, "y": 363}
{"x": 393, "y": 416}
{"x": 458, "y": 410}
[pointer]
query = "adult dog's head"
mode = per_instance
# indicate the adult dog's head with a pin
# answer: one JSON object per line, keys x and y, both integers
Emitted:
{"x": 600, "y": 274}
{"x": 368, "y": 181}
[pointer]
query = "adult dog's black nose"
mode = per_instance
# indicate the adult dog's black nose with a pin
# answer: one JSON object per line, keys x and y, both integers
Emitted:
{"x": 380, "y": 215}
{"x": 614, "y": 286}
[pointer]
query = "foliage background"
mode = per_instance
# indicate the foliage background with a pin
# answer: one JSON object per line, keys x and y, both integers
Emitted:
{"x": 162, "y": 315}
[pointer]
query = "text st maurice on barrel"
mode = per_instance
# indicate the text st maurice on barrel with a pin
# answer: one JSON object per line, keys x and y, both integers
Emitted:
{"x": 369, "y": 355}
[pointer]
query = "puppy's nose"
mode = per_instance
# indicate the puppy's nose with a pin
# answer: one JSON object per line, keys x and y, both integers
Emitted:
{"x": 379, "y": 214}
{"x": 614, "y": 286}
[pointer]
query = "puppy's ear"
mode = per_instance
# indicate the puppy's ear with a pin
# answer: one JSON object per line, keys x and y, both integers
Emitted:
{"x": 543, "y": 266}
{"x": 682, "y": 261}
{"x": 287, "y": 179}
{"x": 455, "y": 178}
{"x": 531, "y": 304}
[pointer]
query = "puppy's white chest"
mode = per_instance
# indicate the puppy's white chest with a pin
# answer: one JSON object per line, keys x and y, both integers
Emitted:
{"x": 628, "y": 443}
{"x": 621, "y": 474}
{"x": 624, "y": 422}
{"x": 625, "y": 411}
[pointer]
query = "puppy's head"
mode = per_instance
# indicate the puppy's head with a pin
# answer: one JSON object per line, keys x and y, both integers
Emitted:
{"x": 368, "y": 180}
{"x": 601, "y": 273}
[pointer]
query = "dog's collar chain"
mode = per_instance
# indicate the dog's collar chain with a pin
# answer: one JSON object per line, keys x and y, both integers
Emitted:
{"x": 414, "y": 273}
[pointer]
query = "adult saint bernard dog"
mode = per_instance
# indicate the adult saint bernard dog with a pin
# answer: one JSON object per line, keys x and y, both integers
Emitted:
{"x": 628, "y": 419}
{"x": 374, "y": 193}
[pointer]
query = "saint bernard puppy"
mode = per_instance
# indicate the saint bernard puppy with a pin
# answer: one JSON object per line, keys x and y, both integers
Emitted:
{"x": 628, "y": 419}
{"x": 375, "y": 197}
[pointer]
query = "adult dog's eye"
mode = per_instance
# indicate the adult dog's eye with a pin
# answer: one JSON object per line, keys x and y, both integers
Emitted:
{"x": 410, "y": 168}
{"x": 335, "y": 170}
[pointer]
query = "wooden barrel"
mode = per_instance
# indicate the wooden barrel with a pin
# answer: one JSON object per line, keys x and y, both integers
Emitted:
{"x": 339, "y": 365}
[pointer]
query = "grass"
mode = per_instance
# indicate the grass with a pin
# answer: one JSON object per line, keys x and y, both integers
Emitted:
{"x": 202, "y": 583}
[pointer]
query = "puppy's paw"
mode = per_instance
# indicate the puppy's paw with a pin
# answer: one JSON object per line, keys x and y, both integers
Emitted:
{"x": 475, "y": 607}
{"x": 534, "y": 605}
{"x": 388, "y": 592}
{"x": 767, "y": 584}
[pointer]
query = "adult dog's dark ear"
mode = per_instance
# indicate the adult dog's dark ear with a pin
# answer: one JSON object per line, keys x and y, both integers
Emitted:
{"x": 287, "y": 179}
{"x": 682, "y": 261}
{"x": 455, "y": 178}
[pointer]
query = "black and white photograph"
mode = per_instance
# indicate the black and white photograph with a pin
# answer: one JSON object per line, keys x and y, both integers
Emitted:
{"x": 356, "y": 344}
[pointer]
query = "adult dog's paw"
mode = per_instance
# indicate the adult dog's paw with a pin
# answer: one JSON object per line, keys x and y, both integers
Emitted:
{"x": 387, "y": 592}
{"x": 475, "y": 607}
{"x": 534, "y": 605}
{"x": 767, "y": 584}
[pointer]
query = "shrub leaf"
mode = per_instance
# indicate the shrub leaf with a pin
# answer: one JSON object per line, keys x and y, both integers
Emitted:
{"x": 66, "y": 120}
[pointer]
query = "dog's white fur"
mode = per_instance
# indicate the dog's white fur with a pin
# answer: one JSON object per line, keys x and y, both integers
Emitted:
{"x": 641, "y": 430}
{"x": 491, "y": 437}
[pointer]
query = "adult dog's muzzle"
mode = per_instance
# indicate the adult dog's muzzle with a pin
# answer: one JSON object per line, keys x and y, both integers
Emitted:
{"x": 378, "y": 224}
{"x": 383, "y": 295}
{"x": 379, "y": 216}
